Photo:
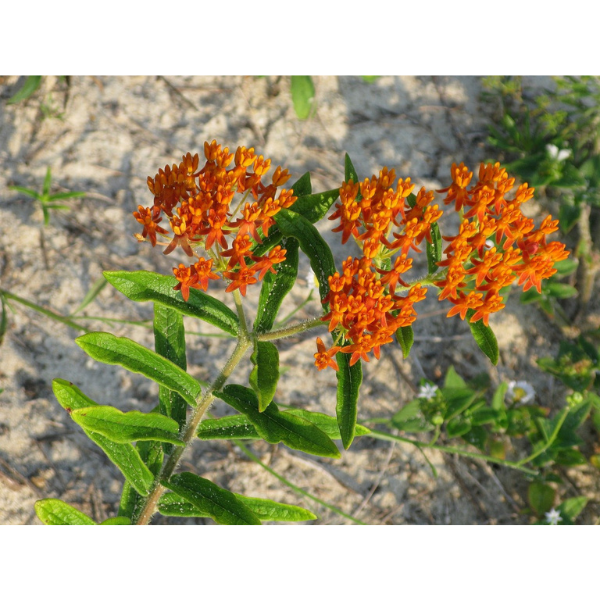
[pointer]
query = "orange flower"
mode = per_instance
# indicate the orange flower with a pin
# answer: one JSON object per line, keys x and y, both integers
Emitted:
{"x": 324, "y": 358}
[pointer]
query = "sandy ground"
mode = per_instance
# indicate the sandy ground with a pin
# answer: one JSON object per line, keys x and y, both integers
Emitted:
{"x": 117, "y": 131}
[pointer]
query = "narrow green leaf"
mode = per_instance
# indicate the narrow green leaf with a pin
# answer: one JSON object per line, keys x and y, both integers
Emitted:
{"x": 92, "y": 294}
{"x": 3, "y": 320}
{"x": 406, "y": 338}
{"x": 275, "y": 426}
{"x": 570, "y": 509}
{"x": 66, "y": 196}
{"x": 26, "y": 191}
{"x": 47, "y": 182}
{"x": 314, "y": 207}
{"x": 303, "y": 95}
{"x": 239, "y": 427}
{"x": 126, "y": 427}
{"x": 219, "y": 504}
{"x": 57, "y": 512}
{"x": 117, "y": 521}
{"x": 169, "y": 342}
{"x": 349, "y": 379}
{"x": 173, "y": 505}
{"x": 32, "y": 83}
{"x": 434, "y": 250}
{"x": 276, "y": 287}
{"x": 265, "y": 374}
{"x": 485, "y": 338}
{"x": 303, "y": 186}
{"x": 124, "y": 456}
{"x": 145, "y": 286}
{"x": 498, "y": 399}
{"x": 326, "y": 423}
{"x": 349, "y": 170}
{"x": 311, "y": 243}
{"x": 235, "y": 427}
{"x": 107, "y": 348}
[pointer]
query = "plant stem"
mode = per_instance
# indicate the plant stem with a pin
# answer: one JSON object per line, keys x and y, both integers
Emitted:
{"x": 237, "y": 297}
{"x": 203, "y": 401}
{"x": 291, "y": 330}
{"x": 381, "y": 435}
{"x": 65, "y": 320}
{"x": 549, "y": 441}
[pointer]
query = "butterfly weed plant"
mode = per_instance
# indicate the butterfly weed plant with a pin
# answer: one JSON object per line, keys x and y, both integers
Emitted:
{"x": 231, "y": 219}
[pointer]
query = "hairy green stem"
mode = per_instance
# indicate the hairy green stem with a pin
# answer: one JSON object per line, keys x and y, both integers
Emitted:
{"x": 381, "y": 435}
{"x": 277, "y": 334}
{"x": 203, "y": 402}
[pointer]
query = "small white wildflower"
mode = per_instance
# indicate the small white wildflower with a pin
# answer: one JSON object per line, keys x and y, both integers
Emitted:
{"x": 311, "y": 279}
{"x": 553, "y": 517}
{"x": 556, "y": 154}
{"x": 520, "y": 391}
{"x": 427, "y": 390}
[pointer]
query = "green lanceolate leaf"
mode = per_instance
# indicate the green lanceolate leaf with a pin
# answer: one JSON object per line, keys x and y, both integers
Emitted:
{"x": 127, "y": 427}
{"x": 326, "y": 423}
{"x": 349, "y": 170}
{"x": 485, "y": 338}
{"x": 3, "y": 320}
{"x": 32, "y": 83}
{"x": 302, "y": 187}
{"x": 311, "y": 243}
{"x": 57, "y": 512}
{"x": 410, "y": 418}
{"x": 406, "y": 338}
{"x": 434, "y": 250}
{"x": 117, "y": 521}
{"x": 145, "y": 286}
{"x": 124, "y": 456}
{"x": 239, "y": 427}
{"x": 113, "y": 350}
{"x": 265, "y": 374}
{"x": 275, "y": 426}
{"x": 349, "y": 379}
{"x": 315, "y": 206}
{"x": 96, "y": 288}
{"x": 276, "y": 287}
{"x": 173, "y": 505}
{"x": 169, "y": 342}
{"x": 212, "y": 500}
{"x": 303, "y": 95}
{"x": 235, "y": 427}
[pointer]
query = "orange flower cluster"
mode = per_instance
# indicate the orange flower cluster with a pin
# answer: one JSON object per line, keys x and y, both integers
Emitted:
{"x": 495, "y": 245}
{"x": 496, "y": 239}
{"x": 198, "y": 205}
{"x": 363, "y": 304}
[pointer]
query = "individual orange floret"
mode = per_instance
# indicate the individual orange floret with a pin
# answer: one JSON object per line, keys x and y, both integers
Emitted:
{"x": 324, "y": 358}
{"x": 457, "y": 192}
{"x": 241, "y": 278}
{"x": 492, "y": 303}
{"x": 203, "y": 269}
{"x": 187, "y": 278}
{"x": 151, "y": 227}
{"x": 465, "y": 302}
{"x": 275, "y": 256}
